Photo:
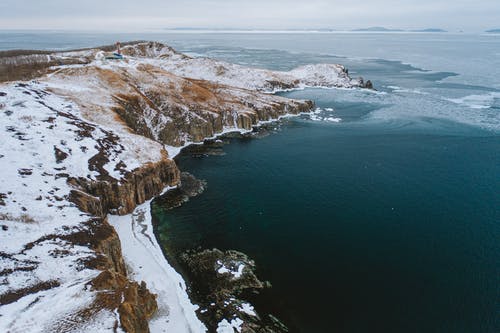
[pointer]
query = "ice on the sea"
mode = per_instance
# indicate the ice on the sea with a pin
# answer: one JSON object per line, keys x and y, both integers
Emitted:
{"x": 484, "y": 101}
{"x": 398, "y": 89}
{"x": 332, "y": 119}
{"x": 320, "y": 114}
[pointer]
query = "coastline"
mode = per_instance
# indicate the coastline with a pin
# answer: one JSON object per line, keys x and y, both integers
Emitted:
{"x": 145, "y": 262}
{"x": 135, "y": 125}
{"x": 174, "y": 151}
{"x": 411, "y": 127}
{"x": 147, "y": 240}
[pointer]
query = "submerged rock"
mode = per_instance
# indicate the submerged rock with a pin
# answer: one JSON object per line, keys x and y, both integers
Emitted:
{"x": 208, "y": 148}
{"x": 367, "y": 85}
{"x": 188, "y": 187}
{"x": 219, "y": 282}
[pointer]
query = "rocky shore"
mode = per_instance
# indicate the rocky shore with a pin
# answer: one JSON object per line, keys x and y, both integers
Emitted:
{"x": 84, "y": 137}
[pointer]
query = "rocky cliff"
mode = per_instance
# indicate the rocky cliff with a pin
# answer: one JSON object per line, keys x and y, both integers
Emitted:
{"x": 61, "y": 261}
{"x": 90, "y": 138}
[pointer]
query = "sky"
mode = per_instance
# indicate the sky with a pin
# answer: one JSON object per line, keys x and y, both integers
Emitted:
{"x": 145, "y": 15}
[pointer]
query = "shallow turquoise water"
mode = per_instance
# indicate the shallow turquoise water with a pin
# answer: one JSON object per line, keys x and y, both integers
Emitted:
{"x": 387, "y": 221}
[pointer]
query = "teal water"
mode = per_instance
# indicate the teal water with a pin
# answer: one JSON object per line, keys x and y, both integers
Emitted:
{"x": 370, "y": 231}
{"x": 387, "y": 221}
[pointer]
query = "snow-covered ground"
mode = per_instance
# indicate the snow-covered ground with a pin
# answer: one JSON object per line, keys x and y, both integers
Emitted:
{"x": 200, "y": 68}
{"x": 43, "y": 141}
{"x": 317, "y": 75}
{"x": 52, "y": 129}
{"x": 145, "y": 261}
{"x": 36, "y": 212}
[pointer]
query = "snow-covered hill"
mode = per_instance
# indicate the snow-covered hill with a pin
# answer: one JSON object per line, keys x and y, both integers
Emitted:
{"x": 90, "y": 137}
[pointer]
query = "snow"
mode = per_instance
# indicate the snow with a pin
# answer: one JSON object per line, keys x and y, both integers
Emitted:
{"x": 223, "y": 269}
{"x": 229, "y": 327}
{"x": 318, "y": 75}
{"x": 236, "y": 273}
{"x": 248, "y": 309}
{"x": 146, "y": 262}
{"x": 36, "y": 199}
{"x": 49, "y": 131}
{"x": 38, "y": 214}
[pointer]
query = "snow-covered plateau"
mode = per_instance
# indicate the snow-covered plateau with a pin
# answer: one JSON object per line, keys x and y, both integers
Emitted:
{"x": 84, "y": 147}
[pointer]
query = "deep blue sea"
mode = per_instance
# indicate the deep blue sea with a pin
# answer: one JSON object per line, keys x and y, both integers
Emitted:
{"x": 379, "y": 213}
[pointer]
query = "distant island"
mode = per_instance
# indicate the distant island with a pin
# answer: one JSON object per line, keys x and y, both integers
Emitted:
{"x": 377, "y": 29}
{"x": 493, "y": 31}
{"x": 430, "y": 30}
{"x": 383, "y": 29}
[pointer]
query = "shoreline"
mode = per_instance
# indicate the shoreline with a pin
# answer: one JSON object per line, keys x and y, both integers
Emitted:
{"x": 175, "y": 266}
{"x": 162, "y": 276}
{"x": 148, "y": 239}
{"x": 174, "y": 151}
{"x": 146, "y": 262}
{"x": 103, "y": 117}
{"x": 173, "y": 263}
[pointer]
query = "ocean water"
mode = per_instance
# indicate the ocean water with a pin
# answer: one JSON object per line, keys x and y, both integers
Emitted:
{"x": 380, "y": 212}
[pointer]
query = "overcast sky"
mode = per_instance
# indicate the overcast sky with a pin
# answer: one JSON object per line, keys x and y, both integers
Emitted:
{"x": 453, "y": 15}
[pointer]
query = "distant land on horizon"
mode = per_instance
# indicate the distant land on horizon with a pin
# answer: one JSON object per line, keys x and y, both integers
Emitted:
{"x": 429, "y": 30}
{"x": 494, "y": 31}
{"x": 383, "y": 29}
{"x": 377, "y": 29}
{"x": 369, "y": 29}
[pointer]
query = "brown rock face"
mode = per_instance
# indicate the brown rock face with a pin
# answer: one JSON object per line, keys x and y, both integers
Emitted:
{"x": 134, "y": 301}
{"x": 171, "y": 109}
{"x": 196, "y": 109}
{"x": 138, "y": 306}
{"x": 100, "y": 197}
{"x": 196, "y": 112}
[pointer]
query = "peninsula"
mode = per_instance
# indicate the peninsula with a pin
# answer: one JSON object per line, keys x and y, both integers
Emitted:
{"x": 85, "y": 143}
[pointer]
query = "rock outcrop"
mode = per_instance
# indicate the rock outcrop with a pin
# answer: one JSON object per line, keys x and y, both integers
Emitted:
{"x": 167, "y": 108}
{"x": 134, "y": 302}
{"x": 221, "y": 280}
{"x": 121, "y": 197}
{"x": 62, "y": 176}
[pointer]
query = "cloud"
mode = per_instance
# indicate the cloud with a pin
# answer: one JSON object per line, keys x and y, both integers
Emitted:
{"x": 147, "y": 14}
